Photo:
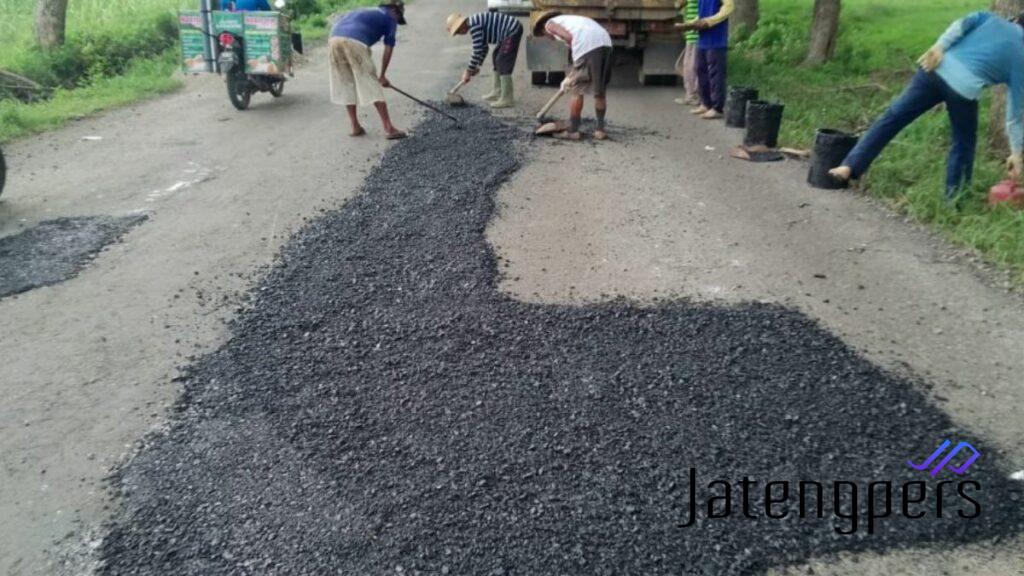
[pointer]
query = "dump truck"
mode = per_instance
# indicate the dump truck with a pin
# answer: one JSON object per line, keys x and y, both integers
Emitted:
{"x": 644, "y": 26}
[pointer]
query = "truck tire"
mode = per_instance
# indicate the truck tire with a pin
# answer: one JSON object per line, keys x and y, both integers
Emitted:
{"x": 658, "y": 79}
{"x": 3, "y": 171}
{"x": 538, "y": 78}
{"x": 555, "y": 78}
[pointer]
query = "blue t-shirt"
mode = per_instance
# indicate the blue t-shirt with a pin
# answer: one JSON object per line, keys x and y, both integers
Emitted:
{"x": 717, "y": 36}
{"x": 368, "y": 26}
{"x": 252, "y": 6}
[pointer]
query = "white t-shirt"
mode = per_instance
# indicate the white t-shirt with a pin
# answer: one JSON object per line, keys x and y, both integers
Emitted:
{"x": 587, "y": 35}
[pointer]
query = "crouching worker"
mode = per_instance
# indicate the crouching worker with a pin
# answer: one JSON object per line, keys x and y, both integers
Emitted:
{"x": 974, "y": 53}
{"x": 590, "y": 49}
{"x": 354, "y": 79}
{"x": 487, "y": 28}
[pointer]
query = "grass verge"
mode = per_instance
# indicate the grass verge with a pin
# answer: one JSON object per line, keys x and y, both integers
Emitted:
{"x": 879, "y": 41}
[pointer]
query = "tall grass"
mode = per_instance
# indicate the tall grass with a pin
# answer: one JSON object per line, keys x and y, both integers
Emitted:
{"x": 878, "y": 45}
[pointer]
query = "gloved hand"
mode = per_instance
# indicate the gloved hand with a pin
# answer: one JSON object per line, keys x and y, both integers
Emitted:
{"x": 931, "y": 59}
{"x": 1015, "y": 166}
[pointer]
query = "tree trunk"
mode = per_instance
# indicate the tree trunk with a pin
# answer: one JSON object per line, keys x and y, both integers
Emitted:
{"x": 51, "y": 16}
{"x": 997, "y": 117}
{"x": 824, "y": 29}
{"x": 744, "y": 18}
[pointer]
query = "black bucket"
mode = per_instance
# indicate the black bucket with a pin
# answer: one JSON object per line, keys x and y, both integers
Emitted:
{"x": 764, "y": 119}
{"x": 830, "y": 149}
{"x": 736, "y": 105}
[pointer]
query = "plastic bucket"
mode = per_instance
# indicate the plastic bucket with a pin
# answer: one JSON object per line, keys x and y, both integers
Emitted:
{"x": 830, "y": 149}
{"x": 764, "y": 119}
{"x": 736, "y": 105}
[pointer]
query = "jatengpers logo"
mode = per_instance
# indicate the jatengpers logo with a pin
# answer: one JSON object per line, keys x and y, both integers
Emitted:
{"x": 852, "y": 505}
{"x": 958, "y": 470}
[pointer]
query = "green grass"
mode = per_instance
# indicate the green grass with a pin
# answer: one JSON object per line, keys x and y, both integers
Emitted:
{"x": 879, "y": 42}
{"x": 143, "y": 79}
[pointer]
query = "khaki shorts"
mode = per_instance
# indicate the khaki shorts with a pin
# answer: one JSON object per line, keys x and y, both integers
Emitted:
{"x": 592, "y": 72}
{"x": 353, "y": 75}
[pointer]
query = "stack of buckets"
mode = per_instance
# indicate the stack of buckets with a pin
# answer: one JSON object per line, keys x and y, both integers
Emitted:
{"x": 762, "y": 121}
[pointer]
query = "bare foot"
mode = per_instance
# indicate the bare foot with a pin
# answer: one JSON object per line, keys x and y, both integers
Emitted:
{"x": 574, "y": 136}
{"x": 711, "y": 115}
{"x": 395, "y": 134}
{"x": 600, "y": 134}
{"x": 843, "y": 173}
{"x": 356, "y": 132}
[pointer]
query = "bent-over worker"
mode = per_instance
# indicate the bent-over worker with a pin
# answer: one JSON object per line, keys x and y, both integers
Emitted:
{"x": 976, "y": 52}
{"x": 487, "y": 28}
{"x": 590, "y": 49}
{"x": 354, "y": 79}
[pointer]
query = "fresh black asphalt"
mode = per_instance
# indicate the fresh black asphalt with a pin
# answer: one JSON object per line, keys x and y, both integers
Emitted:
{"x": 383, "y": 408}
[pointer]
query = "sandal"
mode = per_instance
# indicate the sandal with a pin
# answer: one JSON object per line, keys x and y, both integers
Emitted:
{"x": 396, "y": 135}
{"x": 600, "y": 135}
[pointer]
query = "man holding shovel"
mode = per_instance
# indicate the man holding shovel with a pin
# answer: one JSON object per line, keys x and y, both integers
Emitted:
{"x": 487, "y": 28}
{"x": 354, "y": 79}
{"x": 590, "y": 49}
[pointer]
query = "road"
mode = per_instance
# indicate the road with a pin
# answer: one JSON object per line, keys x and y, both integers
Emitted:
{"x": 88, "y": 365}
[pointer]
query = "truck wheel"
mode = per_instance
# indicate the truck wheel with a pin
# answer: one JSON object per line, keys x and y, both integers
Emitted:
{"x": 239, "y": 91}
{"x": 555, "y": 78}
{"x": 538, "y": 78}
{"x": 658, "y": 79}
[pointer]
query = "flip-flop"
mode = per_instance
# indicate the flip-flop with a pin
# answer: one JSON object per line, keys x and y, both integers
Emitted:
{"x": 361, "y": 132}
{"x": 572, "y": 136}
{"x": 396, "y": 135}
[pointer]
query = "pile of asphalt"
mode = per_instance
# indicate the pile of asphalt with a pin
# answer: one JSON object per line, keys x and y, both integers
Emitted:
{"x": 383, "y": 408}
{"x": 56, "y": 250}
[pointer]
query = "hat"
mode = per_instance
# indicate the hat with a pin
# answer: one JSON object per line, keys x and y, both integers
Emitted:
{"x": 454, "y": 22}
{"x": 541, "y": 19}
{"x": 399, "y": 7}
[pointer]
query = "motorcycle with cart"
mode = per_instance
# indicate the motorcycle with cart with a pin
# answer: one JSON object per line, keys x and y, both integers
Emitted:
{"x": 252, "y": 50}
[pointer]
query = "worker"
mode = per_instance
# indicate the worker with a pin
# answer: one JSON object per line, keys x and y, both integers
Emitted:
{"x": 712, "y": 57}
{"x": 251, "y": 6}
{"x": 487, "y": 28}
{"x": 686, "y": 65}
{"x": 354, "y": 79}
{"x": 590, "y": 50}
{"x": 975, "y": 52}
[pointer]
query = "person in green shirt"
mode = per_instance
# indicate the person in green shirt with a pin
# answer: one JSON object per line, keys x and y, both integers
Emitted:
{"x": 686, "y": 65}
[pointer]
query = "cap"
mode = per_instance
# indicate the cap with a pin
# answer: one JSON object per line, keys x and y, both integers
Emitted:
{"x": 399, "y": 7}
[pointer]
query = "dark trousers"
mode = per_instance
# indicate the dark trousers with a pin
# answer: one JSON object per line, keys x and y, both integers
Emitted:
{"x": 711, "y": 69}
{"x": 926, "y": 91}
{"x": 506, "y": 52}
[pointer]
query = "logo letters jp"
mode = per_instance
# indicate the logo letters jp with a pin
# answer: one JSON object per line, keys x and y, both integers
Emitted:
{"x": 938, "y": 452}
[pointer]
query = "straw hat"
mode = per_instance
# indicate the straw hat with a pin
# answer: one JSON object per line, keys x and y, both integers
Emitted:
{"x": 454, "y": 22}
{"x": 539, "y": 20}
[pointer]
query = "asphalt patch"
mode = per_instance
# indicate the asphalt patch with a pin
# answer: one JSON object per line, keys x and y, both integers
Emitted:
{"x": 56, "y": 250}
{"x": 383, "y": 408}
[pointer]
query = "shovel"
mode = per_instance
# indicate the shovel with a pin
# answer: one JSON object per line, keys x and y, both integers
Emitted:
{"x": 548, "y": 128}
{"x": 422, "y": 103}
{"x": 453, "y": 98}
{"x": 551, "y": 103}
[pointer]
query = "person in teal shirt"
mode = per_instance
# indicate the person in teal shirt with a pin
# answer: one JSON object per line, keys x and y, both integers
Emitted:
{"x": 686, "y": 65}
{"x": 976, "y": 52}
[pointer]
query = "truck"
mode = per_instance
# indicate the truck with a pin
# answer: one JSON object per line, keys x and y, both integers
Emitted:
{"x": 644, "y": 26}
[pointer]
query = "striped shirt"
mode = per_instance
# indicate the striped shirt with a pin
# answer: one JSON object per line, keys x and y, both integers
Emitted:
{"x": 490, "y": 28}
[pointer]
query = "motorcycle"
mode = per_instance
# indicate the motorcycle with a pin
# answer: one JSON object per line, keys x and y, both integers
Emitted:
{"x": 242, "y": 85}
{"x": 231, "y": 62}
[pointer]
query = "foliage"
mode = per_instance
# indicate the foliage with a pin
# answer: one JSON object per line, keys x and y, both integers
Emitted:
{"x": 878, "y": 44}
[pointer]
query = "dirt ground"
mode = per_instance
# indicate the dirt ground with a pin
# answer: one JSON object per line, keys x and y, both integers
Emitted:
{"x": 87, "y": 366}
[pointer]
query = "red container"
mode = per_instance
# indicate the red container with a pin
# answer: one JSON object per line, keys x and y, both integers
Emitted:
{"x": 1007, "y": 191}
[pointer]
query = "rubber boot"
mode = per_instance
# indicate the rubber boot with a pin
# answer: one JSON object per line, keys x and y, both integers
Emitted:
{"x": 495, "y": 92}
{"x": 507, "y": 99}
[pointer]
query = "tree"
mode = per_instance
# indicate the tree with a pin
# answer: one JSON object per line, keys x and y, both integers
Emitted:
{"x": 51, "y": 16}
{"x": 745, "y": 17}
{"x": 997, "y": 118}
{"x": 824, "y": 29}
